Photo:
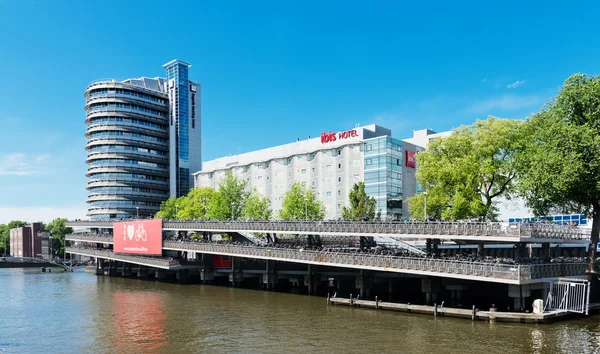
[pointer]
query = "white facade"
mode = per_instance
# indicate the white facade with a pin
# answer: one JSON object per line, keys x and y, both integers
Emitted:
{"x": 422, "y": 137}
{"x": 330, "y": 168}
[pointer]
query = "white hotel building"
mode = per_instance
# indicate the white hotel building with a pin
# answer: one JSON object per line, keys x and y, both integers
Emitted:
{"x": 330, "y": 165}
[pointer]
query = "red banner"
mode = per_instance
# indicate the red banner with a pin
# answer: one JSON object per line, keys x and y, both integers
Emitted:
{"x": 410, "y": 159}
{"x": 138, "y": 237}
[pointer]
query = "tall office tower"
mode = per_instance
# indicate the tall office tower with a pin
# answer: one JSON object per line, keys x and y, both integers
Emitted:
{"x": 143, "y": 138}
{"x": 184, "y": 127}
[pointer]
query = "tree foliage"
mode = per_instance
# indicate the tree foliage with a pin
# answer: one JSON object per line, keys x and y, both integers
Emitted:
{"x": 561, "y": 163}
{"x": 58, "y": 229}
{"x": 300, "y": 203}
{"x": 5, "y": 234}
{"x": 361, "y": 205}
{"x": 257, "y": 207}
{"x": 466, "y": 172}
{"x": 195, "y": 204}
{"x": 168, "y": 209}
{"x": 229, "y": 198}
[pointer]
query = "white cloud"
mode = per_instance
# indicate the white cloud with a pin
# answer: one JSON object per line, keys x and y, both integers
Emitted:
{"x": 507, "y": 103}
{"x": 44, "y": 214}
{"x": 515, "y": 84}
{"x": 22, "y": 164}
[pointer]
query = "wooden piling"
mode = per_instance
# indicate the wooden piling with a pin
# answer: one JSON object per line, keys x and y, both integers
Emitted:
{"x": 473, "y": 314}
{"x": 434, "y": 311}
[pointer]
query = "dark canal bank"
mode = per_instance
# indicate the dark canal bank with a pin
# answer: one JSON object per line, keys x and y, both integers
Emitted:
{"x": 79, "y": 312}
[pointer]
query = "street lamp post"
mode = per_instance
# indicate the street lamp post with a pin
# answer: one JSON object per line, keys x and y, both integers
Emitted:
{"x": 176, "y": 212}
{"x": 137, "y": 212}
{"x": 306, "y": 208}
{"x": 425, "y": 205}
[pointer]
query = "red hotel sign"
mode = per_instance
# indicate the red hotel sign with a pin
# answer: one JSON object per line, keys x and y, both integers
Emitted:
{"x": 330, "y": 137}
{"x": 410, "y": 159}
{"x": 138, "y": 237}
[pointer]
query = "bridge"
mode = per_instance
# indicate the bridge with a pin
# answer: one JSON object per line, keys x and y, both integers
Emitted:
{"x": 420, "y": 266}
{"x": 474, "y": 232}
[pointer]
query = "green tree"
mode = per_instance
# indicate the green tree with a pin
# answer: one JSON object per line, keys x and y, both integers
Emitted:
{"x": 257, "y": 207}
{"x": 465, "y": 173}
{"x": 58, "y": 229}
{"x": 361, "y": 204}
{"x": 300, "y": 203}
{"x": 195, "y": 204}
{"x": 169, "y": 208}
{"x": 561, "y": 163}
{"x": 5, "y": 234}
{"x": 229, "y": 198}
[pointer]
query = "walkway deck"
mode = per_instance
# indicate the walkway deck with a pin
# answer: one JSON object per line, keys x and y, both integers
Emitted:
{"x": 486, "y": 232}
{"x": 446, "y": 268}
{"x": 455, "y": 312}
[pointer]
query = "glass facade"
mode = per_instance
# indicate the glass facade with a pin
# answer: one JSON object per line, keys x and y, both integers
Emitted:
{"x": 177, "y": 73}
{"x": 571, "y": 219}
{"x": 383, "y": 174}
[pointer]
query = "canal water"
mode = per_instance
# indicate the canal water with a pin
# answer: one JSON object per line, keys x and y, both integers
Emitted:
{"x": 83, "y": 313}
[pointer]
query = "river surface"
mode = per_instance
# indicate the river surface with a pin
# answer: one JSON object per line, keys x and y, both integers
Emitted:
{"x": 84, "y": 313}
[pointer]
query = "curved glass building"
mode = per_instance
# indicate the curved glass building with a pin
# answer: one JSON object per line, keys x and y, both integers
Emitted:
{"x": 127, "y": 147}
{"x": 143, "y": 142}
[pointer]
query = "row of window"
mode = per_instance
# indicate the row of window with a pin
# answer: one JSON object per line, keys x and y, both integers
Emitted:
{"x": 106, "y": 120}
{"x": 117, "y": 106}
{"x": 111, "y": 162}
{"x": 106, "y": 92}
{"x": 118, "y": 176}
{"x": 107, "y": 134}
{"x": 122, "y": 203}
{"x": 102, "y": 190}
{"x": 355, "y": 163}
{"x": 116, "y": 148}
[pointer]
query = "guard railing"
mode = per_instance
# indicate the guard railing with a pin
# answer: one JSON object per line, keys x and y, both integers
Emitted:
{"x": 490, "y": 229}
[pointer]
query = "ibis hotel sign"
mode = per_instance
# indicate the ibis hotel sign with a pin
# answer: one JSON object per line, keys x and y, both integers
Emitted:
{"x": 331, "y": 137}
{"x": 138, "y": 237}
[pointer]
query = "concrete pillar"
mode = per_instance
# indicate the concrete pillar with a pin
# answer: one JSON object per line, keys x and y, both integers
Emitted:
{"x": 545, "y": 250}
{"x": 207, "y": 273}
{"x": 428, "y": 246}
{"x": 364, "y": 282}
{"x": 236, "y": 276}
{"x": 269, "y": 278}
{"x": 480, "y": 251}
{"x": 430, "y": 286}
{"x": 311, "y": 280}
{"x": 142, "y": 272}
{"x": 182, "y": 276}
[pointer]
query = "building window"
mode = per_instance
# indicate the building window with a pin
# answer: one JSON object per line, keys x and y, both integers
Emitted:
{"x": 398, "y": 162}
{"x": 314, "y": 183}
{"x": 260, "y": 178}
{"x": 339, "y": 179}
{"x": 328, "y": 168}
{"x": 339, "y": 152}
{"x": 328, "y": 194}
{"x": 368, "y": 162}
{"x": 356, "y": 177}
{"x": 303, "y": 171}
{"x": 339, "y": 192}
{"x": 289, "y": 173}
{"x": 328, "y": 180}
{"x": 339, "y": 206}
{"x": 339, "y": 166}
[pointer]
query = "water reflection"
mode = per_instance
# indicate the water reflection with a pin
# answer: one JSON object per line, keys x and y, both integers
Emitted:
{"x": 139, "y": 320}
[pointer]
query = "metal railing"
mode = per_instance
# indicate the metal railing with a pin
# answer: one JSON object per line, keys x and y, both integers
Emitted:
{"x": 444, "y": 266}
{"x": 143, "y": 260}
{"x": 491, "y": 229}
{"x": 479, "y": 269}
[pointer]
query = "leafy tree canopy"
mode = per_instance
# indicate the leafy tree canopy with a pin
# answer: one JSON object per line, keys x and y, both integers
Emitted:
{"x": 300, "y": 203}
{"x": 560, "y": 167}
{"x": 58, "y": 229}
{"x": 230, "y": 198}
{"x": 465, "y": 173}
{"x": 195, "y": 204}
{"x": 361, "y": 204}
{"x": 257, "y": 207}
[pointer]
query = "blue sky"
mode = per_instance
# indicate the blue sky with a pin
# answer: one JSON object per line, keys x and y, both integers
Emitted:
{"x": 272, "y": 71}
